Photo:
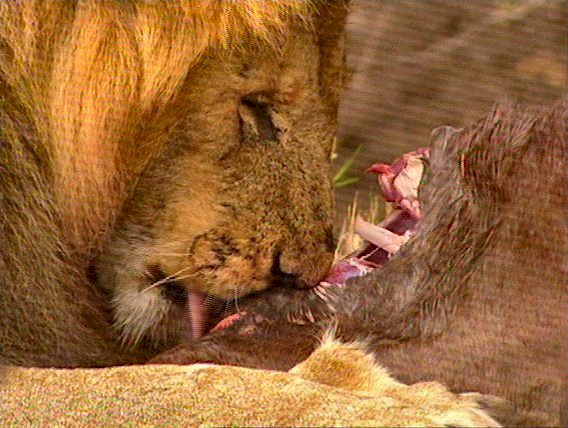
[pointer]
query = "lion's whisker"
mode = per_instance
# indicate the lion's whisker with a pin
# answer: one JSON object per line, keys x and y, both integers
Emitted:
{"x": 236, "y": 292}
{"x": 208, "y": 299}
{"x": 172, "y": 254}
{"x": 166, "y": 279}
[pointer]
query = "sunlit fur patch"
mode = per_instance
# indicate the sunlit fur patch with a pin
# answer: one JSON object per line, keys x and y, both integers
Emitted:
{"x": 352, "y": 367}
{"x": 349, "y": 366}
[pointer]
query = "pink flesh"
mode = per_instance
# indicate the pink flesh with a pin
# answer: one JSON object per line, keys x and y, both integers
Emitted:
{"x": 227, "y": 322}
{"x": 197, "y": 314}
{"x": 398, "y": 184}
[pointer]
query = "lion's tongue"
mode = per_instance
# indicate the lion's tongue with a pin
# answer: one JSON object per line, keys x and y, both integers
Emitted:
{"x": 196, "y": 314}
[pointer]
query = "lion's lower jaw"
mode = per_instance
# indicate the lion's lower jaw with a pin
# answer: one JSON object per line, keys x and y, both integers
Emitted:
{"x": 146, "y": 317}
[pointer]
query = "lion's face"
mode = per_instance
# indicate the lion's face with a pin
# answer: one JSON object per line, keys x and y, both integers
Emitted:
{"x": 238, "y": 199}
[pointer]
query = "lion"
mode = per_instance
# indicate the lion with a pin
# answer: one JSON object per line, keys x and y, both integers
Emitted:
{"x": 148, "y": 172}
{"x": 314, "y": 393}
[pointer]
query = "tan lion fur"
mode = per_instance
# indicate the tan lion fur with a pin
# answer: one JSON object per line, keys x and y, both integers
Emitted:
{"x": 339, "y": 385}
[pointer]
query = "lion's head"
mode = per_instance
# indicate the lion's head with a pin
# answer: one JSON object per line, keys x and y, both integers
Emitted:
{"x": 189, "y": 145}
{"x": 239, "y": 198}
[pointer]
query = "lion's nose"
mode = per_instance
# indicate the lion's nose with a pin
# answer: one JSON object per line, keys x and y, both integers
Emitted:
{"x": 305, "y": 265}
{"x": 280, "y": 278}
{"x": 305, "y": 272}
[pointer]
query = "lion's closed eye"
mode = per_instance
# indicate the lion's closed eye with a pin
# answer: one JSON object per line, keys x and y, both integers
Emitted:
{"x": 256, "y": 114}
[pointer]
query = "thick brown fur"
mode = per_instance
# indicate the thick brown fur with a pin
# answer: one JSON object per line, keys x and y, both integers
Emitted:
{"x": 150, "y": 140}
{"x": 476, "y": 299}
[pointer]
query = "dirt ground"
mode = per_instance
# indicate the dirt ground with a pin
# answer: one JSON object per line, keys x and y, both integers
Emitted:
{"x": 419, "y": 64}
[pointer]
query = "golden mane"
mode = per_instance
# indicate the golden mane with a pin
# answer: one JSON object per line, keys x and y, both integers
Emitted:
{"x": 85, "y": 74}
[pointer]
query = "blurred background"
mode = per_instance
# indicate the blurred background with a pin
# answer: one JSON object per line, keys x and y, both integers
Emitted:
{"x": 419, "y": 64}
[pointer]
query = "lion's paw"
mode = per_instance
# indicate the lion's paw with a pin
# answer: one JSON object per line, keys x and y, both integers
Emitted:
{"x": 352, "y": 368}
